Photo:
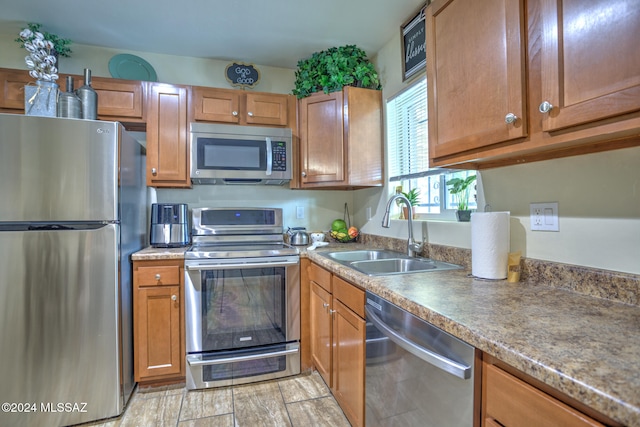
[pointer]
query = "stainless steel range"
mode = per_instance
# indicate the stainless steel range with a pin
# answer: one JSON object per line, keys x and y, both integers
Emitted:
{"x": 242, "y": 298}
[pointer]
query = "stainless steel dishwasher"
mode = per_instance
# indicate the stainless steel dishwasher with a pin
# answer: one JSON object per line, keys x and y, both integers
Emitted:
{"x": 416, "y": 374}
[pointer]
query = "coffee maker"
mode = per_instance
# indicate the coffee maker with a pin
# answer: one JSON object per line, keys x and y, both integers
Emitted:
{"x": 169, "y": 225}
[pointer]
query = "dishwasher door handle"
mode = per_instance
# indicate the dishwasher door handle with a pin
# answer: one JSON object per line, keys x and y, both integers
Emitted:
{"x": 439, "y": 361}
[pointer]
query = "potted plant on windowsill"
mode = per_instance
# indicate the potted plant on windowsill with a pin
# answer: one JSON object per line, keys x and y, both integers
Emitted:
{"x": 413, "y": 196}
{"x": 460, "y": 187}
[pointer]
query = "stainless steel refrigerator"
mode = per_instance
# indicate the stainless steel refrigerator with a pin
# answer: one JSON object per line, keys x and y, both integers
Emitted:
{"x": 72, "y": 211}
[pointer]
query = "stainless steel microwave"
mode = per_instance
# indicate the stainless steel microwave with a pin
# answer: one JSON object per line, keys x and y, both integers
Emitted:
{"x": 233, "y": 154}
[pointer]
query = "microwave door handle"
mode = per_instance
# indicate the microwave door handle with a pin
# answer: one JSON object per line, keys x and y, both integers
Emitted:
{"x": 269, "y": 156}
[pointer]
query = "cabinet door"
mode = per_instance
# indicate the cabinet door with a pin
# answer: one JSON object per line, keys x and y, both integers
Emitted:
{"x": 13, "y": 82}
{"x": 320, "y": 325}
{"x": 157, "y": 323}
{"x": 215, "y": 105}
{"x": 118, "y": 99}
{"x": 167, "y": 133}
{"x": 349, "y": 335}
{"x": 322, "y": 148}
{"x": 512, "y": 402}
{"x": 475, "y": 74}
{"x": 590, "y": 60}
{"x": 267, "y": 109}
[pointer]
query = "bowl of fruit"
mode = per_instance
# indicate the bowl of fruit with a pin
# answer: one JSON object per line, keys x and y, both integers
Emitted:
{"x": 342, "y": 232}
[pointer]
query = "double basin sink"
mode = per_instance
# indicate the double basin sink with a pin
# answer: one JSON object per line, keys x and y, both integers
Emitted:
{"x": 379, "y": 262}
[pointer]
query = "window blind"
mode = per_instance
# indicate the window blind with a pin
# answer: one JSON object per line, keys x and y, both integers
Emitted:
{"x": 408, "y": 135}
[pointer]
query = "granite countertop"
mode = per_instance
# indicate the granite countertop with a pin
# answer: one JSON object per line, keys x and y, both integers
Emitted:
{"x": 585, "y": 347}
{"x": 150, "y": 253}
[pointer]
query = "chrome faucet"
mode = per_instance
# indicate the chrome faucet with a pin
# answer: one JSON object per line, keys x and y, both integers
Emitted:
{"x": 413, "y": 248}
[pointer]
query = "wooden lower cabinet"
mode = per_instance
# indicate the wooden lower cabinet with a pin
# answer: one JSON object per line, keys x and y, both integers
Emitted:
{"x": 509, "y": 401}
{"x": 337, "y": 339}
{"x": 158, "y": 326}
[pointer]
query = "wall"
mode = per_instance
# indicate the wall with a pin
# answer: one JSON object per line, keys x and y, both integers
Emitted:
{"x": 321, "y": 207}
{"x": 598, "y": 196}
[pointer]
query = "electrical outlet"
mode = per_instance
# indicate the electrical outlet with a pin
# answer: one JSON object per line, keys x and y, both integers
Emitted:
{"x": 544, "y": 216}
{"x": 300, "y": 212}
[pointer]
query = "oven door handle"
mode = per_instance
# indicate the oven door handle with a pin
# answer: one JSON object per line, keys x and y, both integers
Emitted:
{"x": 197, "y": 361}
{"x": 223, "y": 266}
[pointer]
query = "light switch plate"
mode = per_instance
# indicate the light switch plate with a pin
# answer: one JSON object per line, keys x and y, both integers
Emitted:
{"x": 544, "y": 216}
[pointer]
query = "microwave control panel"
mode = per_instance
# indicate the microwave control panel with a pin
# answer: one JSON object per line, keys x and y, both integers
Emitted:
{"x": 279, "y": 151}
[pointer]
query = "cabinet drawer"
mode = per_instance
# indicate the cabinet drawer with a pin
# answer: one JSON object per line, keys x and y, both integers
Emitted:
{"x": 321, "y": 276}
{"x": 158, "y": 276}
{"x": 349, "y": 295}
{"x": 512, "y": 402}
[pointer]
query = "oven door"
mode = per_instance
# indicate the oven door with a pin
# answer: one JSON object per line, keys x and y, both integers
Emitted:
{"x": 242, "y": 319}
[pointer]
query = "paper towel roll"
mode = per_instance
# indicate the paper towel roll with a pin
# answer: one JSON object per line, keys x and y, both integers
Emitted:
{"x": 489, "y": 244}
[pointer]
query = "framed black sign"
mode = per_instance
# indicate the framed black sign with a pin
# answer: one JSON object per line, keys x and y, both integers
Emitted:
{"x": 241, "y": 74}
{"x": 414, "y": 53}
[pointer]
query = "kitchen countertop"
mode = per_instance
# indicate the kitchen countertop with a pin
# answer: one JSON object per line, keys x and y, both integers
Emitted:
{"x": 149, "y": 253}
{"x": 585, "y": 347}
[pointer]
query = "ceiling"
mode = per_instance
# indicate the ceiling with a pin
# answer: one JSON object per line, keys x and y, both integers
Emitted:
{"x": 267, "y": 32}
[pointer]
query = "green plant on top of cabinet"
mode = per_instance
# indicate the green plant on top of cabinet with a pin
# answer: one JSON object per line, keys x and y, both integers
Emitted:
{"x": 513, "y": 81}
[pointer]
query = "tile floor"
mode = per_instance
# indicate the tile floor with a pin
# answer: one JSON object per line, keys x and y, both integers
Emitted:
{"x": 303, "y": 400}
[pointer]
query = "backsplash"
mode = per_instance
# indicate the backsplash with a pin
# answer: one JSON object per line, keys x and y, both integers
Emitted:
{"x": 611, "y": 285}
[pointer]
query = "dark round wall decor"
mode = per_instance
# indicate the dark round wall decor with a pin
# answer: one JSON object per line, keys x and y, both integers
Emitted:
{"x": 241, "y": 74}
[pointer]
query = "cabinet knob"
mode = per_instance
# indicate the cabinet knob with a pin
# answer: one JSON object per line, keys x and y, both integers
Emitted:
{"x": 250, "y": 114}
{"x": 304, "y": 174}
{"x": 154, "y": 171}
{"x": 158, "y": 276}
{"x": 174, "y": 298}
{"x": 325, "y": 305}
{"x": 545, "y": 107}
{"x": 332, "y": 311}
{"x": 510, "y": 118}
{"x": 234, "y": 113}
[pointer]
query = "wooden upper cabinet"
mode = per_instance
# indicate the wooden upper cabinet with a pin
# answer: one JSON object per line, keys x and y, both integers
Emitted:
{"x": 215, "y": 105}
{"x": 118, "y": 100}
{"x": 499, "y": 61}
{"x": 590, "y": 60}
{"x": 13, "y": 82}
{"x": 341, "y": 144}
{"x": 476, "y": 74}
{"x": 239, "y": 107}
{"x": 322, "y": 149}
{"x": 167, "y": 136}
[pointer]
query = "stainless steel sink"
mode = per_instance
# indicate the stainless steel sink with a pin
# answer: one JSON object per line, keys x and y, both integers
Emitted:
{"x": 384, "y": 262}
{"x": 362, "y": 255}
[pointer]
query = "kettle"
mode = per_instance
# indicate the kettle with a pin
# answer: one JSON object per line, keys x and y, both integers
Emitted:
{"x": 298, "y": 236}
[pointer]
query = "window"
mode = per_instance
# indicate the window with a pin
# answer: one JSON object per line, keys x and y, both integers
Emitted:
{"x": 408, "y": 151}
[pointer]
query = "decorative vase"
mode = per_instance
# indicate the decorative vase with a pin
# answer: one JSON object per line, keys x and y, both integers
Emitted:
{"x": 463, "y": 216}
{"x": 41, "y": 99}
